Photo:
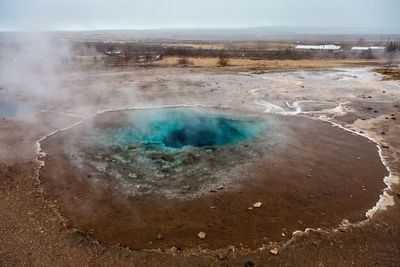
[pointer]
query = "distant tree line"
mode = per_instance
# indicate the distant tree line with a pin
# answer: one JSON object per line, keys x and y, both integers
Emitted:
{"x": 140, "y": 52}
{"x": 392, "y": 46}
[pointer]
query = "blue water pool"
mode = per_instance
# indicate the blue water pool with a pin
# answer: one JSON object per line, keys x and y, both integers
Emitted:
{"x": 177, "y": 128}
{"x": 170, "y": 151}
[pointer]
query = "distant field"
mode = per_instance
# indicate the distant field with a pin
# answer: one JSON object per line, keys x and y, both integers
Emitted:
{"x": 268, "y": 64}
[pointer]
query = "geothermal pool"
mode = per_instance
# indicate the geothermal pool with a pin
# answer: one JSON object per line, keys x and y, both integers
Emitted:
{"x": 177, "y": 152}
{"x": 177, "y": 128}
{"x": 126, "y": 176}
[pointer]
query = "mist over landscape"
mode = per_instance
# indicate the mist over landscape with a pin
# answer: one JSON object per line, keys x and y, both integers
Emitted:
{"x": 199, "y": 133}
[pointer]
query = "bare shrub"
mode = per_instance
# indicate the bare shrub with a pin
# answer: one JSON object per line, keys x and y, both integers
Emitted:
{"x": 223, "y": 60}
{"x": 183, "y": 61}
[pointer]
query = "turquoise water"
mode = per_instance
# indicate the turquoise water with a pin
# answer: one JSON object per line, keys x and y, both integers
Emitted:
{"x": 166, "y": 150}
{"x": 178, "y": 127}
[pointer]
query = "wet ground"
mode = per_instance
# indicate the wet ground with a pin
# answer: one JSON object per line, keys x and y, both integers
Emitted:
{"x": 336, "y": 176}
{"x": 305, "y": 173}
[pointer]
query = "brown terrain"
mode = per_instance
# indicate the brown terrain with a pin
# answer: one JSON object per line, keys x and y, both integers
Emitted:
{"x": 322, "y": 186}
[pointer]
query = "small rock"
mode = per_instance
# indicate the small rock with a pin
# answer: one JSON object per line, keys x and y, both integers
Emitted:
{"x": 148, "y": 186}
{"x": 314, "y": 243}
{"x": 222, "y": 255}
{"x": 165, "y": 168}
{"x": 257, "y": 204}
{"x": 140, "y": 172}
{"x": 132, "y": 175}
{"x": 274, "y": 251}
{"x": 189, "y": 160}
{"x": 220, "y": 187}
{"x": 159, "y": 237}
{"x": 98, "y": 157}
{"x": 383, "y": 133}
{"x": 160, "y": 175}
{"x": 165, "y": 157}
{"x": 309, "y": 175}
{"x": 134, "y": 146}
{"x": 363, "y": 187}
{"x": 249, "y": 264}
{"x": 358, "y": 158}
{"x": 201, "y": 235}
{"x": 250, "y": 208}
{"x": 385, "y": 146}
{"x": 186, "y": 187}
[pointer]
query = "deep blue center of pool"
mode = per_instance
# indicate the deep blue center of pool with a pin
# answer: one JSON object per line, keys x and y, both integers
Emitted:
{"x": 203, "y": 131}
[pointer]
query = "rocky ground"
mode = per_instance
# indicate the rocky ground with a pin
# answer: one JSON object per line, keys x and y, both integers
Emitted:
{"x": 34, "y": 232}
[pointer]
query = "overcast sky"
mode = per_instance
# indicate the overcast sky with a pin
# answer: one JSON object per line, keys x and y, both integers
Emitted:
{"x": 375, "y": 15}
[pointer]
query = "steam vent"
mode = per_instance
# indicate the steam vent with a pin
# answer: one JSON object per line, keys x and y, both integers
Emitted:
{"x": 126, "y": 176}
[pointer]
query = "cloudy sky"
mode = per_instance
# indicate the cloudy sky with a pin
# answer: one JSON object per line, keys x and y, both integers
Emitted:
{"x": 375, "y": 15}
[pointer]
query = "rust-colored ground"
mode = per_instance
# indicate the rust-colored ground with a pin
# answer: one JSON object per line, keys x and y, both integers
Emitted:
{"x": 318, "y": 176}
{"x": 35, "y": 232}
{"x": 390, "y": 73}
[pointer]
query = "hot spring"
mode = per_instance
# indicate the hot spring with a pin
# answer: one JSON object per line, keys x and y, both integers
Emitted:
{"x": 174, "y": 151}
{"x": 126, "y": 176}
{"x": 178, "y": 128}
